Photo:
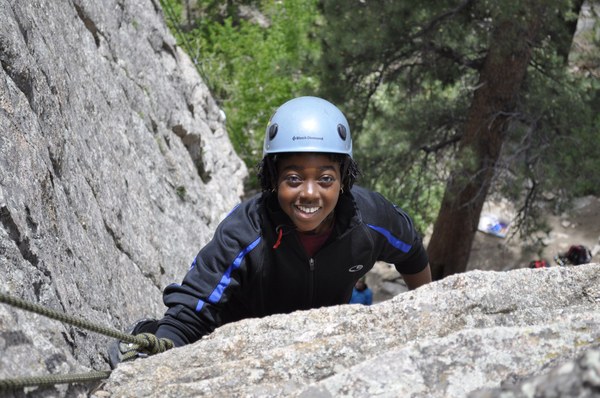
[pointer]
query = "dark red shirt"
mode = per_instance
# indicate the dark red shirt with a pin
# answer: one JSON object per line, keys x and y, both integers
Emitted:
{"x": 313, "y": 242}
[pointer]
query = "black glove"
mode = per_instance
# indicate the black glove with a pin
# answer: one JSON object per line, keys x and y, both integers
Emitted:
{"x": 120, "y": 351}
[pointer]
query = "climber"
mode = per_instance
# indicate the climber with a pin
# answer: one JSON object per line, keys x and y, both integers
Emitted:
{"x": 303, "y": 242}
{"x": 362, "y": 293}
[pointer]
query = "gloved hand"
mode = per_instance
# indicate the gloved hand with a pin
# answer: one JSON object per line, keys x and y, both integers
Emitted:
{"x": 120, "y": 351}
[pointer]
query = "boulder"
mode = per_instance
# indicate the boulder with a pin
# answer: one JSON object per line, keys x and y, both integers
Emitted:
{"x": 466, "y": 334}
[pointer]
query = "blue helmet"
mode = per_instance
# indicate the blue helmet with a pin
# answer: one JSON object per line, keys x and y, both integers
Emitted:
{"x": 308, "y": 124}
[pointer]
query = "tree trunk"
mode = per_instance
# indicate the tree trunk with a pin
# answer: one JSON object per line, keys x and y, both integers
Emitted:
{"x": 500, "y": 81}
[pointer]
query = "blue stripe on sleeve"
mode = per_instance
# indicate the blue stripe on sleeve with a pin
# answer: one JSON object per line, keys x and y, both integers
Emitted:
{"x": 397, "y": 243}
{"x": 193, "y": 264}
{"x": 216, "y": 295}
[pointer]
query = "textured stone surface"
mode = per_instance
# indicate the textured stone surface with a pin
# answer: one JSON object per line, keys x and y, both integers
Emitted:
{"x": 447, "y": 339}
{"x": 115, "y": 168}
{"x": 579, "y": 378}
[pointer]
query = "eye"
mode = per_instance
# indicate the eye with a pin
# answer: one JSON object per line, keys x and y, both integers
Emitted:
{"x": 292, "y": 179}
{"x": 326, "y": 180}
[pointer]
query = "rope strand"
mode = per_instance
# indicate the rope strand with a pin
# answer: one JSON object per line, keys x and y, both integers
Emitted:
{"x": 71, "y": 320}
{"x": 13, "y": 384}
{"x": 145, "y": 342}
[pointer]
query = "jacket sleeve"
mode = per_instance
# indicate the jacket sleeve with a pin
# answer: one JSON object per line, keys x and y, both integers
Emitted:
{"x": 402, "y": 245}
{"x": 216, "y": 275}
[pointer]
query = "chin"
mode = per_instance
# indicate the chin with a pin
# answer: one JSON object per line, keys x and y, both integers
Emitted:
{"x": 305, "y": 228}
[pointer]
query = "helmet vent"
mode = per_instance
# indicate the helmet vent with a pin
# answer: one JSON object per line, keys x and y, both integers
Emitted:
{"x": 342, "y": 131}
{"x": 273, "y": 131}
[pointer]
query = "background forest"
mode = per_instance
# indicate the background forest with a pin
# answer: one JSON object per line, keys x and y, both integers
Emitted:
{"x": 450, "y": 102}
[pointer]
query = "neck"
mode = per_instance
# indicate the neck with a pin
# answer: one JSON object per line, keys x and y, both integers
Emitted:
{"x": 325, "y": 226}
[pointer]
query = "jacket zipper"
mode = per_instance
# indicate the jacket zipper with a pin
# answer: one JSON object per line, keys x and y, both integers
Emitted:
{"x": 311, "y": 285}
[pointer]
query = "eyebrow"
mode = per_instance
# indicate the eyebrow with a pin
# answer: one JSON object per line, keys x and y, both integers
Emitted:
{"x": 295, "y": 167}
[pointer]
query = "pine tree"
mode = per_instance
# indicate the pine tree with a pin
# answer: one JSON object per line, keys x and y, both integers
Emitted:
{"x": 460, "y": 98}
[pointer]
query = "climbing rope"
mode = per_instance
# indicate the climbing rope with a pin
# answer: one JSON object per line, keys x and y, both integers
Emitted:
{"x": 71, "y": 320}
{"x": 151, "y": 343}
{"x": 39, "y": 381}
{"x": 143, "y": 341}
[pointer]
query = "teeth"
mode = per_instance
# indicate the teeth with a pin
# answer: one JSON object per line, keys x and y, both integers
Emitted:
{"x": 309, "y": 210}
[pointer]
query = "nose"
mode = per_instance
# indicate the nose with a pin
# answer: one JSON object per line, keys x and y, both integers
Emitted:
{"x": 310, "y": 190}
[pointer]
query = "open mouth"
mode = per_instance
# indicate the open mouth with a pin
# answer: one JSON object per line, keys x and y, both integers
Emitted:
{"x": 308, "y": 209}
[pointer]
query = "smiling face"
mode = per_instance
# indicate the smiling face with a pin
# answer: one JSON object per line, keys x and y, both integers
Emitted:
{"x": 308, "y": 188}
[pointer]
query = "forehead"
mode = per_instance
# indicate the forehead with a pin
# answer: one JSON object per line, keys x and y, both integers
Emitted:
{"x": 307, "y": 160}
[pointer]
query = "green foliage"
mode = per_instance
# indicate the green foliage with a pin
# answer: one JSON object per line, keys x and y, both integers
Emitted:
{"x": 394, "y": 146}
{"x": 405, "y": 74}
{"x": 559, "y": 135}
{"x": 249, "y": 68}
{"x": 552, "y": 147}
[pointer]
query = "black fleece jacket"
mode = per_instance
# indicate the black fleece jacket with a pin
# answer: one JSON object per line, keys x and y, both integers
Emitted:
{"x": 239, "y": 274}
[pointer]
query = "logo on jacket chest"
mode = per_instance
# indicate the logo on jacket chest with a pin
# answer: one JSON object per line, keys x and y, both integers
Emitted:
{"x": 355, "y": 268}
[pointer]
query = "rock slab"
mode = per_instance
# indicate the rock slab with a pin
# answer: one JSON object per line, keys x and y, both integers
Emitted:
{"x": 115, "y": 168}
{"x": 467, "y": 334}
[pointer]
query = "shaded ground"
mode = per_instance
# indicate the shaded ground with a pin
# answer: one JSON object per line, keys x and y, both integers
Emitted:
{"x": 580, "y": 225}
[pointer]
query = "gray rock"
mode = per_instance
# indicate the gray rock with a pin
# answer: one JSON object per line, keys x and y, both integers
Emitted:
{"x": 578, "y": 378}
{"x": 447, "y": 339}
{"x": 115, "y": 168}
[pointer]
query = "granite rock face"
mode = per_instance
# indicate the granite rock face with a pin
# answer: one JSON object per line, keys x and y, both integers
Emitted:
{"x": 115, "y": 168}
{"x": 467, "y": 334}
